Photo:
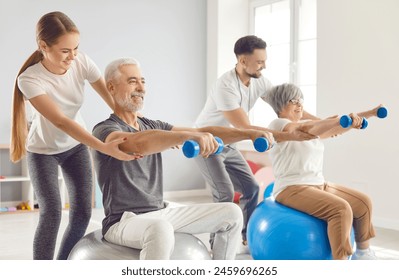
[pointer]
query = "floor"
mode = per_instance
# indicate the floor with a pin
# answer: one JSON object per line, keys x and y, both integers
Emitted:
{"x": 17, "y": 229}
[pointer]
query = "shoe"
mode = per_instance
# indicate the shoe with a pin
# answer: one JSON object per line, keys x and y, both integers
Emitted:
{"x": 366, "y": 254}
{"x": 243, "y": 248}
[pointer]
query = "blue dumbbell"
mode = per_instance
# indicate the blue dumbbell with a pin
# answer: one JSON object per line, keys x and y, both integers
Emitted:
{"x": 261, "y": 144}
{"x": 346, "y": 121}
{"x": 382, "y": 112}
{"x": 191, "y": 148}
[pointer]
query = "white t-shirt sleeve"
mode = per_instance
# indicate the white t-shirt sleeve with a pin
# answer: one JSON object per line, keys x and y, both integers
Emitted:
{"x": 92, "y": 71}
{"x": 279, "y": 124}
{"x": 30, "y": 86}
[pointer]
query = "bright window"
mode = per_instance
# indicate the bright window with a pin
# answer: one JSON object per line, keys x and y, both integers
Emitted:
{"x": 289, "y": 29}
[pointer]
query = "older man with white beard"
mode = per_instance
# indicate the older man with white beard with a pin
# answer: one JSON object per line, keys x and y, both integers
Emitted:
{"x": 135, "y": 213}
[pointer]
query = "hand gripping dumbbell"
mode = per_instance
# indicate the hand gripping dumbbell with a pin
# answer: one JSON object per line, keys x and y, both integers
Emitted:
{"x": 346, "y": 121}
{"x": 191, "y": 148}
{"x": 382, "y": 112}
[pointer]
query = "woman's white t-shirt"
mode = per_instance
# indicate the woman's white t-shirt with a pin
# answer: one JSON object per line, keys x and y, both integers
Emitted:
{"x": 67, "y": 92}
{"x": 296, "y": 162}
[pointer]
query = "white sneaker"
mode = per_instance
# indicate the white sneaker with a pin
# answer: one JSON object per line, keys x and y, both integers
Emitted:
{"x": 366, "y": 254}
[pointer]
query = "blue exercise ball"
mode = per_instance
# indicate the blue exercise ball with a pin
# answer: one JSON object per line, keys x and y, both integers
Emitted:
{"x": 268, "y": 190}
{"x": 277, "y": 232}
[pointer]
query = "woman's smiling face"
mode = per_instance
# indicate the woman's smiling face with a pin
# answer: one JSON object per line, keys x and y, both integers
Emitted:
{"x": 293, "y": 110}
{"x": 59, "y": 57}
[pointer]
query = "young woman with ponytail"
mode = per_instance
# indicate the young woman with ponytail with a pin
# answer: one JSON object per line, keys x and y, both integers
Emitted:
{"x": 52, "y": 81}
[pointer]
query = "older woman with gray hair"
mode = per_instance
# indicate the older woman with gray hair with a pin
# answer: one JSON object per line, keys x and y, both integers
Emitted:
{"x": 299, "y": 181}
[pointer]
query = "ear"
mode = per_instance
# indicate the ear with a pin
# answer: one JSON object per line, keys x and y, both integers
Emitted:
{"x": 42, "y": 45}
{"x": 242, "y": 59}
{"x": 110, "y": 87}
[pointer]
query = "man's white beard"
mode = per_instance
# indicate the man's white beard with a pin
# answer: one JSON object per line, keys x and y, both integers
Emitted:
{"x": 128, "y": 105}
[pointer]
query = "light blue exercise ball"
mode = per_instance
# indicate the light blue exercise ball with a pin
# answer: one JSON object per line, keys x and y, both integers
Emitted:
{"x": 277, "y": 232}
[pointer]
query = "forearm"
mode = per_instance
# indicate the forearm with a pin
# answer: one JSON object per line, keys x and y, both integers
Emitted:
{"x": 227, "y": 134}
{"x": 369, "y": 113}
{"x": 80, "y": 134}
{"x": 335, "y": 127}
{"x": 231, "y": 135}
{"x": 151, "y": 141}
{"x": 279, "y": 136}
{"x": 325, "y": 128}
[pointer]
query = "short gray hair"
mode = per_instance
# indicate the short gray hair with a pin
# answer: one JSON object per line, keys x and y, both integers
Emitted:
{"x": 112, "y": 70}
{"x": 279, "y": 96}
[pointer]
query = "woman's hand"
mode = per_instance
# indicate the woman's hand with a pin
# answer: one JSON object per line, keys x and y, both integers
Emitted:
{"x": 112, "y": 149}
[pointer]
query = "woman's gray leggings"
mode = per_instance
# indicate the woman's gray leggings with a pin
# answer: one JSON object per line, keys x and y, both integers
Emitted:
{"x": 77, "y": 171}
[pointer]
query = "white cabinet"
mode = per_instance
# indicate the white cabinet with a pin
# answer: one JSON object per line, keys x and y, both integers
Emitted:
{"x": 15, "y": 185}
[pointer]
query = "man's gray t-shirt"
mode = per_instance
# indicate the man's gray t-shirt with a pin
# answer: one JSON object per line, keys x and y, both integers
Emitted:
{"x": 135, "y": 186}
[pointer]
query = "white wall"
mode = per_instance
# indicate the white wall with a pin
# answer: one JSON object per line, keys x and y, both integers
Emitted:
{"x": 358, "y": 43}
{"x": 227, "y": 21}
{"x": 358, "y": 58}
{"x": 167, "y": 37}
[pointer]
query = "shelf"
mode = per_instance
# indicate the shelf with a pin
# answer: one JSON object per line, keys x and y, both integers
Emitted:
{"x": 15, "y": 179}
{"x": 18, "y": 211}
{"x": 15, "y": 184}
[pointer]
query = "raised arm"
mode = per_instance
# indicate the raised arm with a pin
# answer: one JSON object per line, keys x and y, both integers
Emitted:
{"x": 239, "y": 119}
{"x": 156, "y": 141}
{"x": 232, "y": 135}
{"x": 322, "y": 129}
{"x": 331, "y": 126}
{"x": 379, "y": 111}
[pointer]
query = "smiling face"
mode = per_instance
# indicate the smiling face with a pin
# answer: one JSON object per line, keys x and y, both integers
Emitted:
{"x": 253, "y": 63}
{"x": 293, "y": 110}
{"x": 128, "y": 89}
{"x": 58, "y": 58}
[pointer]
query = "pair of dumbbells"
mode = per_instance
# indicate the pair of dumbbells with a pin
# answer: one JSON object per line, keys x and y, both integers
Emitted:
{"x": 346, "y": 121}
{"x": 191, "y": 148}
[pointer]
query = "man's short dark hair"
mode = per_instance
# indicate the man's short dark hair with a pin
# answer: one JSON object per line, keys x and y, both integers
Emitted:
{"x": 247, "y": 44}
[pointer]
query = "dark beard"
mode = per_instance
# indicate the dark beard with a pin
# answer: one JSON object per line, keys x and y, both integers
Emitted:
{"x": 255, "y": 76}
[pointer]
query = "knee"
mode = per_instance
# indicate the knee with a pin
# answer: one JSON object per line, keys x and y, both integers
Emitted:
{"x": 158, "y": 241}
{"x": 345, "y": 212}
{"x": 51, "y": 216}
{"x": 233, "y": 214}
{"x": 160, "y": 231}
{"x": 226, "y": 196}
{"x": 251, "y": 190}
{"x": 368, "y": 205}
